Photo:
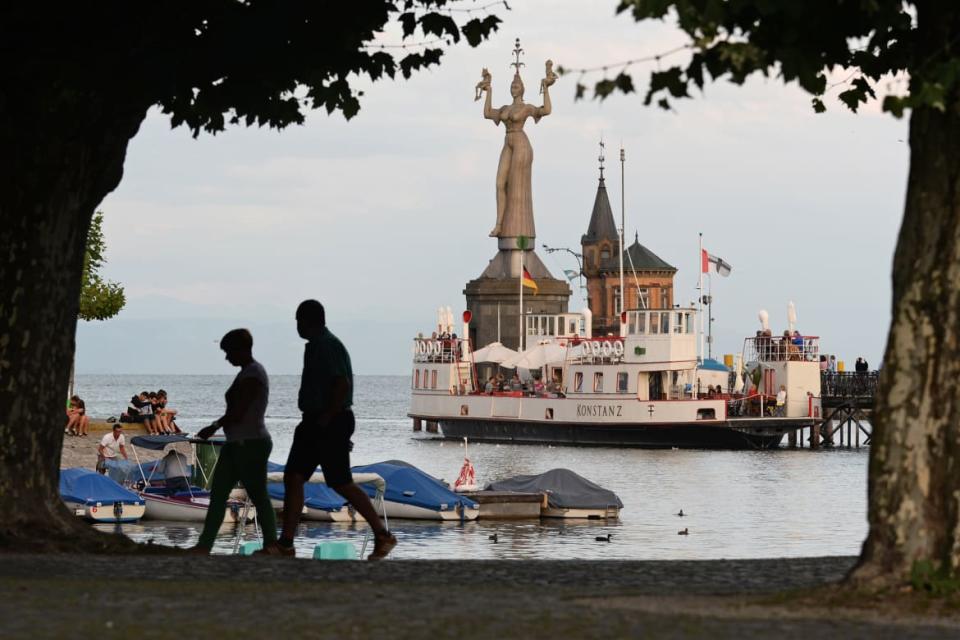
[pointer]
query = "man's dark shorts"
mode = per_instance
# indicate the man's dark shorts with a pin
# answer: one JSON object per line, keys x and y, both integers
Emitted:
{"x": 327, "y": 446}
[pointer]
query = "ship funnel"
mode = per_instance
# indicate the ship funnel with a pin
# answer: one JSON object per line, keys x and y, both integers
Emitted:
{"x": 587, "y": 323}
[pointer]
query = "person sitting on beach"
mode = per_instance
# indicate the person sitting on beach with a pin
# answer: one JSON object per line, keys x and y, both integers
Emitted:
{"x": 165, "y": 414}
{"x": 78, "y": 424}
{"x": 175, "y": 470}
{"x": 132, "y": 414}
{"x": 110, "y": 445}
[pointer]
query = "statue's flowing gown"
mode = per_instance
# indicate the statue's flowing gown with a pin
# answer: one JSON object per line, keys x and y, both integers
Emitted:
{"x": 518, "y": 212}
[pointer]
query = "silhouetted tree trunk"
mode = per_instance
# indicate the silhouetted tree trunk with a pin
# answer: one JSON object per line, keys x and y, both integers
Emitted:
{"x": 60, "y": 156}
{"x": 914, "y": 482}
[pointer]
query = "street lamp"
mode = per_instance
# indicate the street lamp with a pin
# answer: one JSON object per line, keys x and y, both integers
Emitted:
{"x": 576, "y": 255}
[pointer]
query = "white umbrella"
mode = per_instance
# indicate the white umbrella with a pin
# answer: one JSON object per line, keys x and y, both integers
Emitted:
{"x": 493, "y": 352}
{"x": 538, "y": 356}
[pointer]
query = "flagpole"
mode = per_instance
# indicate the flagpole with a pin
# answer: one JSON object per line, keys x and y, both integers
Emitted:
{"x": 520, "y": 340}
{"x": 700, "y": 300}
{"x": 498, "y": 322}
{"x": 696, "y": 381}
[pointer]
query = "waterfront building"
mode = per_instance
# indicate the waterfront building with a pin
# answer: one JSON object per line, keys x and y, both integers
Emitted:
{"x": 648, "y": 278}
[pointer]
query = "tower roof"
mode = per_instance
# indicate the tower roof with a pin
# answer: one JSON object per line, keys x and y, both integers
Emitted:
{"x": 643, "y": 259}
{"x": 602, "y": 225}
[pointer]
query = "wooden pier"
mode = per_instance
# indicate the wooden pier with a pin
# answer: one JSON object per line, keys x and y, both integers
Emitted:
{"x": 846, "y": 399}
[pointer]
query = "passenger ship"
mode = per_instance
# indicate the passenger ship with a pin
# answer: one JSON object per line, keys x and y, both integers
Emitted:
{"x": 644, "y": 388}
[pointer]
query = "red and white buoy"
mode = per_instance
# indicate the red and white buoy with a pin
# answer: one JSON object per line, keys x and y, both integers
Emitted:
{"x": 467, "y": 480}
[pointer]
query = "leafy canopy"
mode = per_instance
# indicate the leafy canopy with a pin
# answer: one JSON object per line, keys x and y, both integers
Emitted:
{"x": 209, "y": 63}
{"x": 99, "y": 299}
{"x": 804, "y": 40}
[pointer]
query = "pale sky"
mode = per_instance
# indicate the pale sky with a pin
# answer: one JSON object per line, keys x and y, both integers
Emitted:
{"x": 385, "y": 218}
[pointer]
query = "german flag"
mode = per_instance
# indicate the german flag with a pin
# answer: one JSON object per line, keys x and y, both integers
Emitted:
{"x": 528, "y": 281}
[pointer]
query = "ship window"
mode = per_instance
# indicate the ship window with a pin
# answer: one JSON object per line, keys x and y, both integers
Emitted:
{"x": 548, "y": 415}
{"x": 598, "y": 381}
{"x": 433, "y": 379}
{"x": 551, "y": 326}
{"x": 623, "y": 379}
{"x": 416, "y": 379}
{"x": 654, "y": 323}
{"x": 573, "y": 328}
{"x": 464, "y": 410}
{"x": 578, "y": 381}
{"x": 706, "y": 414}
{"x": 664, "y": 322}
{"x": 641, "y": 323}
{"x": 678, "y": 325}
{"x": 689, "y": 321}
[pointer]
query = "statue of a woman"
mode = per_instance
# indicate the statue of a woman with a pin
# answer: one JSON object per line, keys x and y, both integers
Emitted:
{"x": 514, "y": 196}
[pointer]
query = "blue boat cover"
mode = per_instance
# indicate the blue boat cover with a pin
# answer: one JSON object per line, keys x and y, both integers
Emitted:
{"x": 712, "y": 365}
{"x": 89, "y": 487}
{"x": 315, "y": 495}
{"x": 275, "y": 467}
{"x": 157, "y": 443}
{"x": 409, "y": 485}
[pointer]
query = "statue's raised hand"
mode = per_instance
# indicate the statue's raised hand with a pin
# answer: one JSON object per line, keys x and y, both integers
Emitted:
{"x": 549, "y": 76}
{"x": 483, "y": 85}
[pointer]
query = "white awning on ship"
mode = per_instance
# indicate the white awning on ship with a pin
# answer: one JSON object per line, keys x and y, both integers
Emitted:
{"x": 494, "y": 352}
{"x": 538, "y": 356}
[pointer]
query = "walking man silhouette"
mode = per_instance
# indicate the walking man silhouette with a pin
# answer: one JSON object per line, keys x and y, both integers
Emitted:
{"x": 323, "y": 435}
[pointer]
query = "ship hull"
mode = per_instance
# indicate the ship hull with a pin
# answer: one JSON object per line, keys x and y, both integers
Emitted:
{"x": 730, "y": 436}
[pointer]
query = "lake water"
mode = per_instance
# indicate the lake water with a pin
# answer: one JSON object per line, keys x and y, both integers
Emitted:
{"x": 740, "y": 504}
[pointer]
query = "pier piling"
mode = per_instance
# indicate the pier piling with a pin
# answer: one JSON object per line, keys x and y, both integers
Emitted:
{"x": 432, "y": 427}
{"x": 417, "y": 424}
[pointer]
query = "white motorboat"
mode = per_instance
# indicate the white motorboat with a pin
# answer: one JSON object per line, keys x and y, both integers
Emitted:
{"x": 187, "y": 503}
{"x": 97, "y": 498}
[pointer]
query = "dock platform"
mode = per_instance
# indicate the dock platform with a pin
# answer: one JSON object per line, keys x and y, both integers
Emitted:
{"x": 507, "y": 505}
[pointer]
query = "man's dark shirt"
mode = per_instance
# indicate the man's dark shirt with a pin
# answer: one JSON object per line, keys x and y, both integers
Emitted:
{"x": 324, "y": 359}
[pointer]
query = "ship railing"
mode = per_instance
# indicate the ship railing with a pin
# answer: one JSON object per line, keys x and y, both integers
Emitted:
{"x": 756, "y": 404}
{"x": 781, "y": 348}
{"x": 438, "y": 350}
{"x": 606, "y": 350}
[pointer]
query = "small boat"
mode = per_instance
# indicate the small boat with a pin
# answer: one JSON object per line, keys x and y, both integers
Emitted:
{"x": 414, "y": 495}
{"x": 97, "y": 498}
{"x": 569, "y": 495}
{"x": 178, "y": 503}
{"x": 320, "y": 502}
{"x": 188, "y": 506}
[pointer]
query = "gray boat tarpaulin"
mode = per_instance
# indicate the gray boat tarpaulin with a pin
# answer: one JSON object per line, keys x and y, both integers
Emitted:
{"x": 564, "y": 488}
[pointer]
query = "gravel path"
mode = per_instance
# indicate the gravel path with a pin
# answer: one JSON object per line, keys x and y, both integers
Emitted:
{"x": 184, "y": 596}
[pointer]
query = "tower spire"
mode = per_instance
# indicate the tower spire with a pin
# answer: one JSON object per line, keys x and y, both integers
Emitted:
{"x": 601, "y": 158}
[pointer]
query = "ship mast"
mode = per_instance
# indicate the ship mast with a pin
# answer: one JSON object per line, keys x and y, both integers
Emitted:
{"x": 623, "y": 208}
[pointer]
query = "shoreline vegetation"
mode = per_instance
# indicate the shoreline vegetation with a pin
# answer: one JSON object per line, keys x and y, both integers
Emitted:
{"x": 166, "y": 595}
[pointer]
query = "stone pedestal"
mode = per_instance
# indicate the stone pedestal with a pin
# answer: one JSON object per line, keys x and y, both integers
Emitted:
{"x": 497, "y": 290}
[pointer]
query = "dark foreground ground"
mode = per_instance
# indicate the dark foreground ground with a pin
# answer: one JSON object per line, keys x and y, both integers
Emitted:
{"x": 43, "y": 596}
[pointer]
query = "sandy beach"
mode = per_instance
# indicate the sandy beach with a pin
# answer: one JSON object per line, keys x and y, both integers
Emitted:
{"x": 80, "y": 451}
